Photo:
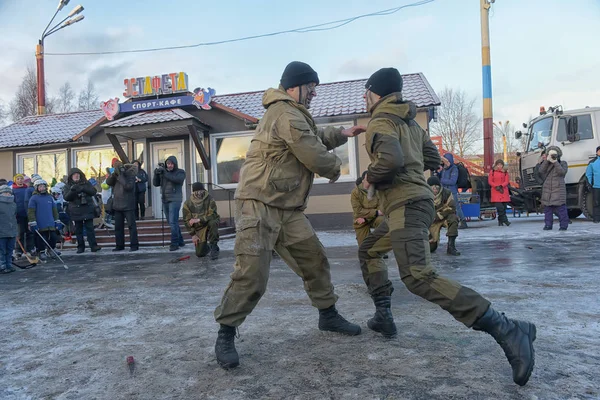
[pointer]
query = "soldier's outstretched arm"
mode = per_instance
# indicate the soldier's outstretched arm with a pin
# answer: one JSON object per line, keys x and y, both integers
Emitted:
{"x": 308, "y": 148}
{"x": 332, "y": 137}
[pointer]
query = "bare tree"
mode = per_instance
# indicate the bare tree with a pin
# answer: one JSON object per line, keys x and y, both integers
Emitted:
{"x": 457, "y": 123}
{"x": 88, "y": 98}
{"x": 3, "y": 113}
{"x": 64, "y": 101}
{"x": 24, "y": 103}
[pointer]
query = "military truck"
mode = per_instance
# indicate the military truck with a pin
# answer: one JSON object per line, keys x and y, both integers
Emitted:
{"x": 577, "y": 133}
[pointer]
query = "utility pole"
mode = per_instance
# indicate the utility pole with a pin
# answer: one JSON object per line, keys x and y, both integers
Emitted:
{"x": 41, "y": 81}
{"x": 488, "y": 124}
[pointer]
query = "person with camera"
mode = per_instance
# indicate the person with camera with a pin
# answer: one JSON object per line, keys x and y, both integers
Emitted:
{"x": 122, "y": 180}
{"x": 554, "y": 190}
{"x": 79, "y": 194}
{"x": 169, "y": 177}
{"x": 592, "y": 174}
{"x": 498, "y": 179}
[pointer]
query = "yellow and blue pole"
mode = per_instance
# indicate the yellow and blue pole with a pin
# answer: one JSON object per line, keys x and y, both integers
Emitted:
{"x": 488, "y": 124}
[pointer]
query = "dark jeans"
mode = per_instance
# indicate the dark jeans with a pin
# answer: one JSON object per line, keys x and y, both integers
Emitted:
{"x": 561, "y": 211}
{"x": 89, "y": 230}
{"x": 171, "y": 211}
{"x": 25, "y": 235}
{"x": 49, "y": 236}
{"x": 140, "y": 205}
{"x": 120, "y": 217}
{"x": 596, "y": 194}
{"x": 7, "y": 246}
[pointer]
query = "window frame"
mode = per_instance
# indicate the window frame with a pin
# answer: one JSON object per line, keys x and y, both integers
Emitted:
{"x": 352, "y": 155}
{"x": 33, "y": 154}
{"x": 194, "y": 162}
{"x": 213, "y": 158}
{"x": 74, "y": 151}
{"x": 563, "y": 121}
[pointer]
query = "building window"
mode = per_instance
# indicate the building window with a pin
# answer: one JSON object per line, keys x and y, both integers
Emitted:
{"x": 230, "y": 156}
{"x": 584, "y": 128}
{"x": 199, "y": 173}
{"x": 93, "y": 162}
{"x": 49, "y": 165}
{"x": 231, "y": 151}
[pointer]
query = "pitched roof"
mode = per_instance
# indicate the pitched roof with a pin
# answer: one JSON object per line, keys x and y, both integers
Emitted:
{"x": 336, "y": 98}
{"x": 51, "y": 128}
{"x": 151, "y": 117}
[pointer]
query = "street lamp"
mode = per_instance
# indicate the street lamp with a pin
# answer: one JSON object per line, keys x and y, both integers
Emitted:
{"x": 503, "y": 130}
{"x": 39, "y": 50}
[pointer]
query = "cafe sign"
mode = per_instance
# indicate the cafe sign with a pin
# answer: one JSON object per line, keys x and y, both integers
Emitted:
{"x": 175, "y": 82}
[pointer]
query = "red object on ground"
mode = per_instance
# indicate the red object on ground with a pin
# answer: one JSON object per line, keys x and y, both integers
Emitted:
{"x": 130, "y": 360}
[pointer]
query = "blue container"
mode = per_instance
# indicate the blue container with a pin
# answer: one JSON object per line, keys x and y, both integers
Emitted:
{"x": 471, "y": 210}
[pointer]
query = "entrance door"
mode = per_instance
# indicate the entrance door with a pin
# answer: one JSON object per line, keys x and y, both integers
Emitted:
{"x": 160, "y": 152}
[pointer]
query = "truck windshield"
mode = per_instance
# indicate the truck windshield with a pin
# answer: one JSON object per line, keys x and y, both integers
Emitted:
{"x": 540, "y": 134}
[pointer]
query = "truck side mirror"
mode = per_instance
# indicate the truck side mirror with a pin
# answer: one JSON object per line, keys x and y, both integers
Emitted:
{"x": 524, "y": 125}
{"x": 518, "y": 135}
{"x": 572, "y": 129}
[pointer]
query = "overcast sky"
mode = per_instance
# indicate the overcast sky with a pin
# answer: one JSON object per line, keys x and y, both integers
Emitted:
{"x": 543, "y": 52}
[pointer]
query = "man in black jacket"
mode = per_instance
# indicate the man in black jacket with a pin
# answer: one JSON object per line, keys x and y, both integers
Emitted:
{"x": 170, "y": 178}
{"x": 122, "y": 181}
{"x": 141, "y": 185}
{"x": 80, "y": 196}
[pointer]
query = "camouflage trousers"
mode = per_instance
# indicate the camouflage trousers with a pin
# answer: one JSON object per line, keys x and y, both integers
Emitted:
{"x": 450, "y": 223}
{"x": 406, "y": 233}
{"x": 260, "y": 229}
{"x": 364, "y": 230}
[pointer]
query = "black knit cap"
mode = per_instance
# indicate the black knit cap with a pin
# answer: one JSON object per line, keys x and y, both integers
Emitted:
{"x": 361, "y": 178}
{"x": 298, "y": 73}
{"x": 597, "y": 148}
{"x": 197, "y": 186}
{"x": 385, "y": 81}
{"x": 434, "y": 181}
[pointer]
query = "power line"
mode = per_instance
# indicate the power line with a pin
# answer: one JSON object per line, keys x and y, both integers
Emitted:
{"x": 314, "y": 28}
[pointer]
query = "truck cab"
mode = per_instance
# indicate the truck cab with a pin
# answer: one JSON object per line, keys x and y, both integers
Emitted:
{"x": 576, "y": 133}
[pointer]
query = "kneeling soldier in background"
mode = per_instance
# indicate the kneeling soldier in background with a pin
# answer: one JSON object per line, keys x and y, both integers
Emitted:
{"x": 202, "y": 221}
{"x": 445, "y": 216}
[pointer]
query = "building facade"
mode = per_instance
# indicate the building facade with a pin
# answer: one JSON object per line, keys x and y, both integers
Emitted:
{"x": 208, "y": 134}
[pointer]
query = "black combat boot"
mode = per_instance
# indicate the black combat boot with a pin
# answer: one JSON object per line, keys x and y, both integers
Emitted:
{"x": 227, "y": 356}
{"x": 330, "y": 320}
{"x": 505, "y": 221}
{"x": 516, "y": 339}
{"x": 214, "y": 251}
{"x": 383, "y": 320}
{"x": 452, "y": 246}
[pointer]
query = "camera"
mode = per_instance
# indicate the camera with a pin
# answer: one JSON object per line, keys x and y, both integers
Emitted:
{"x": 162, "y": 165}
{"x": 554, "y": 156}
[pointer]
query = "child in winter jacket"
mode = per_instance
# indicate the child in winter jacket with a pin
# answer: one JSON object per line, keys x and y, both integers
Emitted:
{"x": 8, "y": 228}
{"x": 43, "y": 218}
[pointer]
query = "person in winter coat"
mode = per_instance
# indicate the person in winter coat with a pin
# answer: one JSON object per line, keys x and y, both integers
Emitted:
{"x": 448, "y": 178}
{"x": 122, "y": 180}
{"x": 43, "y": 219}
{"x": 498, "y": 179}
{"x": 80, "y": 194}
{"x": 202, "y": 221}
{"x": 8, "y": 228}
{"x": 141, "y": 186}
{"x": 592, "y": 174}
{"x": 400, "y": 151}
{"x": 445, "y": 216}
{"x": 287, "y": 150}
{"x": 19, "y": 190}
{"x": 365, "y": 212}
{"x": 170, "y": 178}
{"x": 554, "y": 190}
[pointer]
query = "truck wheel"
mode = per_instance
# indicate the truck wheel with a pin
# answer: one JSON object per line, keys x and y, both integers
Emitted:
{"x": 586, "y": 201}
{"x": 574, "y": 213}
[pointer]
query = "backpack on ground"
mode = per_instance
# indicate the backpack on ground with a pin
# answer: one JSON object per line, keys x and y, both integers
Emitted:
{"x": 464, "y": 177}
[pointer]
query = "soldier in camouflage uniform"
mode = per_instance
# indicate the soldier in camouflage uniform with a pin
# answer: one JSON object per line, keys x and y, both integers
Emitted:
{"x": 287, "y": 150}
{"x": 400, "y": 151}
{"x": 445, "y": 216}
{"x": 202, "y": 221}
{"x": 365, "y": 212}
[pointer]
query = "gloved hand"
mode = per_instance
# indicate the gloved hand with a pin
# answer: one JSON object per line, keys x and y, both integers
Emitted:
{"x": 335, "y": 178}
{"x": 33, "y": 226}
{"x": 159, "y": 170}
{"x": 552, "y": 160}
{"x": 78, "y": 188}
{"x": 440, "y": 216}
{"x": 500, "y": 189}
{"x": 588, "y": 185}
{"x": 58, "y": 225}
